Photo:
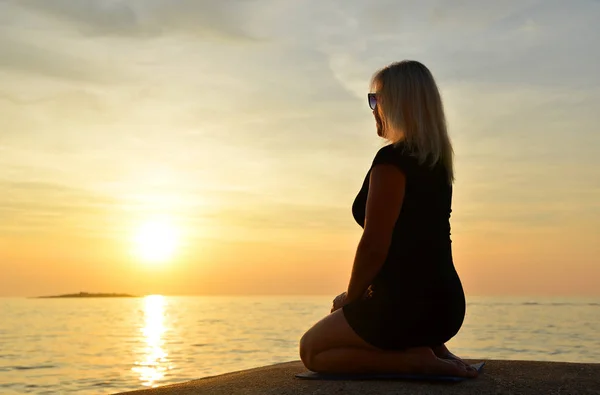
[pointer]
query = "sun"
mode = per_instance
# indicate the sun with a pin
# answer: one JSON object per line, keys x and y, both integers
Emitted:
{"x": 156, "y": 241}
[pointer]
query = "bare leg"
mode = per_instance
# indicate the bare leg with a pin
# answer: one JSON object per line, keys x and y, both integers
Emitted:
{"x": 355, "y": 360}
{"x": 331, "y": 346}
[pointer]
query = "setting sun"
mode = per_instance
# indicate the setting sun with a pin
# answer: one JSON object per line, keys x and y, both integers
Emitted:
{"x": 156, "y": 241}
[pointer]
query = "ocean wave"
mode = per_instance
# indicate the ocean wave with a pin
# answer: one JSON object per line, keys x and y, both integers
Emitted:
{"x": 32, "y": 367}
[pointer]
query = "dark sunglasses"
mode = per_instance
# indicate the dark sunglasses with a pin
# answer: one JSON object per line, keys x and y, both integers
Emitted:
{"x": 372, "y": 100}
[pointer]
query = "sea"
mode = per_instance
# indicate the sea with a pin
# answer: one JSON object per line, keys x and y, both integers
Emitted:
{"x": 109, "y": 345}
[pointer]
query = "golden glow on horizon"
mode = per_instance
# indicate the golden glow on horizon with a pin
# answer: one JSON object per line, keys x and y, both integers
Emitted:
{"x": 156, "y": 241}
{"x": 153, "y": 367}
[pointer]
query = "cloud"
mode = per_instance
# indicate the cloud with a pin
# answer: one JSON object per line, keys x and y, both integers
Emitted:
{"x": 141, "y": 18}
{"x": 27, "y": 206}
{"x": 26, "y": 58}
{"x": 273, "y": 216}
{"x": 507, "y": 43}
{"x": 57, "y": 122}
{"x": 92, "y": 16}
{"x": 468, "y": 15}
{"x": 85, "y": 99}
{"x": 38, "y": 207}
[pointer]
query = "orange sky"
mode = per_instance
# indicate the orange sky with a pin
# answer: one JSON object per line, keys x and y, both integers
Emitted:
{"x": 248, "y": 134}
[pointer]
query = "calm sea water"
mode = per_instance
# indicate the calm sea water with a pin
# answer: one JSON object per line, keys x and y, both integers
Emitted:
{"x": 100, "y": 346}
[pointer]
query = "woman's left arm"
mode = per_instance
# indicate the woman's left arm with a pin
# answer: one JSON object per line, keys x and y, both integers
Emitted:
{"x": 387, "y": 184}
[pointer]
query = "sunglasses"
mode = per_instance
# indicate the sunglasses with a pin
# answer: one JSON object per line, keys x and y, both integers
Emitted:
{"x": 372, "y": 100}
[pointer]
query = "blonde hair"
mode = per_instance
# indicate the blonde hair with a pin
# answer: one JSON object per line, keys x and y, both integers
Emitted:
{"x": 411, "y": 110}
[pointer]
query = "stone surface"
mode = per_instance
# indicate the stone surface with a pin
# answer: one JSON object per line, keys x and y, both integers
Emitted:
{"x": 498, "y": 377}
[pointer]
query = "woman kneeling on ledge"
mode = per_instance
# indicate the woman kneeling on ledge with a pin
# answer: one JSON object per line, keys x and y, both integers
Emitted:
{"x": 405, "y": 299}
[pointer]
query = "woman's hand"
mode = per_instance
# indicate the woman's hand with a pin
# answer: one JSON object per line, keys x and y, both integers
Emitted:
{"x": 339, "y": 301}
{"x": 342, "y": 299}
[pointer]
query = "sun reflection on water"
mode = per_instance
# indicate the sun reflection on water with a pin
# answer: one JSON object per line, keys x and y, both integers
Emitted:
{"x": 155, "y": 363}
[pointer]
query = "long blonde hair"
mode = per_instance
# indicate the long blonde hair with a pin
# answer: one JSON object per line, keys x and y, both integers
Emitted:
{"x": 411, "y": 110}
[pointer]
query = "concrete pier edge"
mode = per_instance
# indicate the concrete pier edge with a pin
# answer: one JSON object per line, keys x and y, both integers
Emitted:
{"x": 498, "y": 377}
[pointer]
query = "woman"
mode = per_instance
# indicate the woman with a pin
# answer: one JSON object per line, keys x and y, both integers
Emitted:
{"x": 404, "y": 299}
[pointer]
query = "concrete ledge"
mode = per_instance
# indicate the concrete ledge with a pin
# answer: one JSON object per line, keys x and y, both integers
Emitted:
{"x": 499, "y": 377}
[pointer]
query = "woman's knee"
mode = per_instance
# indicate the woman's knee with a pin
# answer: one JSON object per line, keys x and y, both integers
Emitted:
{"x": 306, "y": 349}
{"x": 331, "y": 332}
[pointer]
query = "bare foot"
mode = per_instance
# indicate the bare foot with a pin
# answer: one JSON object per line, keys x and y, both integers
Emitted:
{"x": 443, "y": 353}
{"x": 426, "y": 361}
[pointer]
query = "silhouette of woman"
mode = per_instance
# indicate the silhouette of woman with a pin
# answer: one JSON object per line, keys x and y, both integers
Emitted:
{"x": 404, "y": 299}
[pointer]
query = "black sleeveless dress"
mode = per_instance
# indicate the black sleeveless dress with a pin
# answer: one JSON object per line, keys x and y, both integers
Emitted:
{"x": 417, "y": 298}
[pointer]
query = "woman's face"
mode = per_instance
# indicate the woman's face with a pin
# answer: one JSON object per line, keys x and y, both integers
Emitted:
{"x": 377, "y": 112}
{"x": 378, "y": 122}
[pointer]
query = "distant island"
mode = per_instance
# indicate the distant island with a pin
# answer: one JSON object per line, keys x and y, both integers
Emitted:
{"x": 88, "y": 295}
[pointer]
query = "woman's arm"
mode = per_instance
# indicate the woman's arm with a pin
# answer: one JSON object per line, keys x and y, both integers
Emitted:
{"x": 386, "y": 193}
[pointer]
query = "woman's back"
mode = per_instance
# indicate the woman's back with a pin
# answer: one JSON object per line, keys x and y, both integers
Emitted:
{"x": 420, "y": 257}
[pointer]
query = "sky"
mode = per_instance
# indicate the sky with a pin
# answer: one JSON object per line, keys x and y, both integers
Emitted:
{"x": 241, "y": 130}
